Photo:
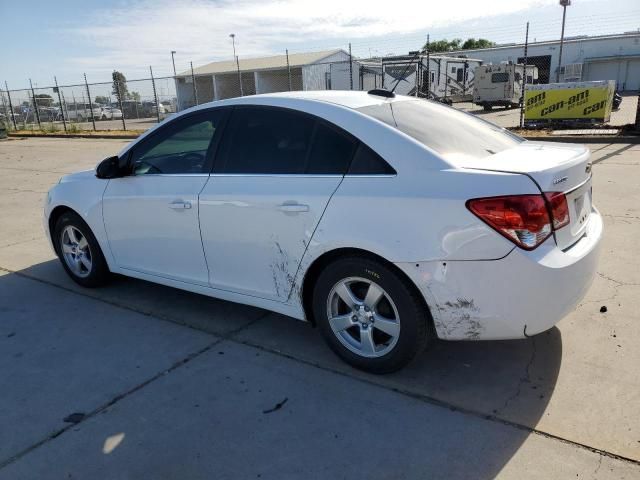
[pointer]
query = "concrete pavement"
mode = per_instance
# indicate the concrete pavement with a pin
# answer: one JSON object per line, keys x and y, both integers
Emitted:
{"x": 174, "y": 385}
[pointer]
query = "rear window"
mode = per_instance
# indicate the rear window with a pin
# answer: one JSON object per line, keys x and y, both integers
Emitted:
{"x": 499, "y": 77}
{"x": 446, "y": 130}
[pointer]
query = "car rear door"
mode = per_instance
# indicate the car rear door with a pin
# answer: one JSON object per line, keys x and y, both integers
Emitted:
{"x": 274, "y": 174}
{"x": 151, "y": 216}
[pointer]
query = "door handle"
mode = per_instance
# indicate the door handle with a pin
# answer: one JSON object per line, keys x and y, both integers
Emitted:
{"x": 179, "y": 205}
{"x": 293, "y": 207}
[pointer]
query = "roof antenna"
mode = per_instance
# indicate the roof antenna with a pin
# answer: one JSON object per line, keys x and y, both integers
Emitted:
{"x": 413, "y": 59}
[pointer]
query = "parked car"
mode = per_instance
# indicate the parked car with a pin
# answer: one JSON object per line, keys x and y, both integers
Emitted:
{"x": 387, "y": 221}
{"x": 82, "y": 112}
{"x": 110, "y": 113}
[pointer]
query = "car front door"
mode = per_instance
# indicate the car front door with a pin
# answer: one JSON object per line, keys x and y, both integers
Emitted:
{"x": 151, "y": 215}
{"x": 273, "y": 177}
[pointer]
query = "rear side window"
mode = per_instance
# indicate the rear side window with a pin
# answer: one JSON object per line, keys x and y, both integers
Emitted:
{"x": 368, "y": 162}
{"x": 445, "y": 130}
{"x": 499, "y": 77}
{"x": 266, "y": 140}
{"x": 331, "y": 151}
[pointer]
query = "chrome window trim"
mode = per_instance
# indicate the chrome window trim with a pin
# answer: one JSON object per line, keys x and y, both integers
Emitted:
{"x": 168, "y": 175}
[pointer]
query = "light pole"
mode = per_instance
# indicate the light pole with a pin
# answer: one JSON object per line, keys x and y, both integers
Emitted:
{"x": 173, "y": 60}
{"x": 235, "y": 57}
{"x": 564, "y": 4}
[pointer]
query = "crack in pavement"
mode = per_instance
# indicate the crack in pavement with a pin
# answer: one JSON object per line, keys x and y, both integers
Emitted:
{"x": 18, "y": 243}
{"x": 526, "y": 378}
{"x": 229, "y": 337}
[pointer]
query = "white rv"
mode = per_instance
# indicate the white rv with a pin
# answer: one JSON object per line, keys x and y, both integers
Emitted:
{"x": 501, "y": 85}
{"x": 446, "y": 78}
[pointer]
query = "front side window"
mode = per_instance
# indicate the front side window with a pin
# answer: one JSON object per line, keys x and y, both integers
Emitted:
{"x": 445, "y": 130}
{"x": 500, "y": 77}
{"x": 179, "y": 148}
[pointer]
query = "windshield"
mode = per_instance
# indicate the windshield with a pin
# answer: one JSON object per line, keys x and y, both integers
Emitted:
{"x": 444, "y": 129}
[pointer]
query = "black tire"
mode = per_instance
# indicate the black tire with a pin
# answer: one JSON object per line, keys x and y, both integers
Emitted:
{"x": 99, "y": 273}
{"x": 487, "y": 107}
{"x": 414, "y": 317}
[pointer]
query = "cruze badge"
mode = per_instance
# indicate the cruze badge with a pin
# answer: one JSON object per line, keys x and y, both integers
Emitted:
{"x": 559, "y": 180}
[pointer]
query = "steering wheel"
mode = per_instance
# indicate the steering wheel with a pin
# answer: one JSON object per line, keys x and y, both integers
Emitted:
{"x": 152, "y": 169}
{"x": 196, "y": 159}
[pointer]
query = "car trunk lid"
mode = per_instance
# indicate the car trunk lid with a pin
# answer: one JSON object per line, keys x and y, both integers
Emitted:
{"x": 554, "y": 167}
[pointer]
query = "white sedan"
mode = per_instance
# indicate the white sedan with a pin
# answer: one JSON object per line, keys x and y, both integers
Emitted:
{"x": 387, "y": 221}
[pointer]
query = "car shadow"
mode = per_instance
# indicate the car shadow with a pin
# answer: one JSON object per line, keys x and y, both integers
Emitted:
{"x": 503, "y": 387}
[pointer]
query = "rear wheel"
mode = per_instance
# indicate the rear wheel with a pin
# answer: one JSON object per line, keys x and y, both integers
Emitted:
{"x": 79, "y": 251}
{"x": 370, "y": 315}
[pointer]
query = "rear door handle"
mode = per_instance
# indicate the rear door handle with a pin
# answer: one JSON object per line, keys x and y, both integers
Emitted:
{"x": 293, "y": 207}
{"x": 180, "y": 205}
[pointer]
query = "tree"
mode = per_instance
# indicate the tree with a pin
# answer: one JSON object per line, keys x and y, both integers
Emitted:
{"x": 119, "y": 85}
{"x": 457, "y": 44}
{"x": 472, "y": 43}
{"x": 444, "y": 45}
{"x": 102, "y": 99}
{"x": 44, "y": 100}
{"x": 135, "y": 96}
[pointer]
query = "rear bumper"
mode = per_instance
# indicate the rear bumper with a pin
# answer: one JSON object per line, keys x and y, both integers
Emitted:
{"x": 519, "y": 295}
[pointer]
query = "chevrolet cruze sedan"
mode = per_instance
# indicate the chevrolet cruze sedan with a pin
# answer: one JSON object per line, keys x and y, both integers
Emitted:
{"x": 387, "y": 221}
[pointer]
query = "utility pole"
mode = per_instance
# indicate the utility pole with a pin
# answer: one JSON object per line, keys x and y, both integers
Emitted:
{"x": 524, "y": 77}
{"x": 195, "y": 88}
{"x": 288, "y": 69}
{"x": 350, "y": 68}
{"x": 235, "y": 57}
{"x": 428, "y": 70}
{"x": 564, "y": 4}
{"x": 35, "y": 104}
{"x": 12, "y": 113}
{"x": 64, "y": 121}
{"x": 173, "y": 61}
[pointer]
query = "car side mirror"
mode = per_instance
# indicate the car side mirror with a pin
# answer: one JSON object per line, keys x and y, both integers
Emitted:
{"x": 109, "y": 168}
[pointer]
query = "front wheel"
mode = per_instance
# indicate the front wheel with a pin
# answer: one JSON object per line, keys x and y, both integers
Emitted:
{"x": 370, "y": 315}
{"x": 79, "y": 251}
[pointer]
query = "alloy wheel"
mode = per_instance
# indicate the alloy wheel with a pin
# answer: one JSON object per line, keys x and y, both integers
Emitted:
{"x": 76, "y": 251}
{"x": 363, "y": 317}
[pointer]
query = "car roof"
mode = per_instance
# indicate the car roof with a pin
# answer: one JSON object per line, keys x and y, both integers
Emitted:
{"x": 344, "y": 98}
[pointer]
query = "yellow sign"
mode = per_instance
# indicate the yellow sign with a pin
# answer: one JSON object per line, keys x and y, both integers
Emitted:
{"x": 575, "y": 102}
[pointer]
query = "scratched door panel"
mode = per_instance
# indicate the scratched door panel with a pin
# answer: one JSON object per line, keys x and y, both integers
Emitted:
{"x": 255, "y": 229}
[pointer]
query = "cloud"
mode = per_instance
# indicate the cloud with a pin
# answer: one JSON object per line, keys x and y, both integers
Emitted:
{"x": 141, "y": 33}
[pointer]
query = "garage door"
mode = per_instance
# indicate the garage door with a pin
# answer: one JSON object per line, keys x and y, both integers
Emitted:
{"x": 625, "y": 72}
{"x": 632, "y": 81}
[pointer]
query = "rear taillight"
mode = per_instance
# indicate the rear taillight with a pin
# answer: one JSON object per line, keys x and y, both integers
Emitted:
{"x": 523, "y": 219}
{"x": 559, "y": 209}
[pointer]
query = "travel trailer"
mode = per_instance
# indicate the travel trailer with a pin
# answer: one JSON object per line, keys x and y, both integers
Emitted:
{"x": 501, "y": 85}
{"x": 446, "y": 78}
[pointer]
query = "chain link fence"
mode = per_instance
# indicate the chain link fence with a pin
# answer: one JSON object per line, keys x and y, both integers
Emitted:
{"x": 465, "y": 80}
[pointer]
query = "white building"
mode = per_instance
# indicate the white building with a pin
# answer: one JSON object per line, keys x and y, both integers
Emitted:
{"x": 309, "y": 71}
{"x": 605, "y": 57}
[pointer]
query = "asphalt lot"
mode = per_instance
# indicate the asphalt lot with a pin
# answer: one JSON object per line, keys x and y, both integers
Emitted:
{"x": 171, "y": 385}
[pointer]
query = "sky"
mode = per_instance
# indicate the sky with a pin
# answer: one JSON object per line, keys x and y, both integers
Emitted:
{"x": 67, "y": 38}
